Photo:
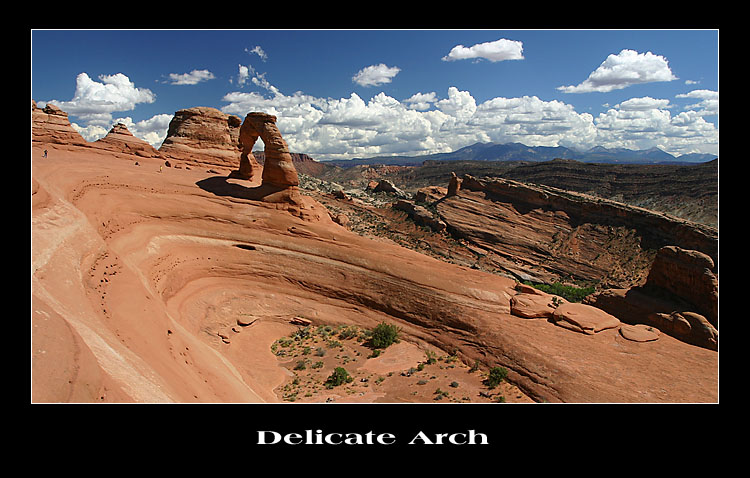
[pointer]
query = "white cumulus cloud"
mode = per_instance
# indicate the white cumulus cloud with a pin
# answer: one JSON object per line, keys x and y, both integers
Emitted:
{"x": 423, "y": 123}
{"x": 375, "y": 75}
{"x": 709, "y": 104}
{"x": 257, "y": 50}
{"x": 94, "y": 102}
{"x": 498, "y": 50}
{"x": 642, "y": 123}
{"x": 622, "y": 70}
{"x": 243, "y": 74}
{"x": 192, "y": 78}
{"x": 421, "y": 101}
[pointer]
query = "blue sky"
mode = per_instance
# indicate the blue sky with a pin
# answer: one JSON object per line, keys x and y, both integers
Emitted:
{"x": 340, "y": 94}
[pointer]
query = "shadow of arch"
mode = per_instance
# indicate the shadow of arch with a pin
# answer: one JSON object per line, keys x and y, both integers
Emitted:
{"x": 219, "y": 186}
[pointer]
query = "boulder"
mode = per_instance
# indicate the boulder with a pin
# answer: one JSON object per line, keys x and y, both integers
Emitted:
{"x": 687, "y": 326}
{"x": 583, "y": 318}
{"x": 385, "y": 185}
{"x": 420, "y": 215}
{"x": 341, "y": 219}
{"x": 534, "y": 306}
{"x": 639, "y": 332}
{"x": 300, "y": 321}
{"x": 671, "y": 315}
{"x": 689, "y": 275}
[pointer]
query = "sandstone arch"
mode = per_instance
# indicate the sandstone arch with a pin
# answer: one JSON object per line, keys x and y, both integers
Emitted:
{"x": 278, "y": 168}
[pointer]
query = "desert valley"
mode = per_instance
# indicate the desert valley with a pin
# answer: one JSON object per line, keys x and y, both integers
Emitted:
{"x": 206, "y": 272}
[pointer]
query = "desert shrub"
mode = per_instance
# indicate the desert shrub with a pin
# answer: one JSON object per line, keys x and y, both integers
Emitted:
{"x": 497, "y": 375}
{"x": 384, "y": 335}
{"x": 348, "y": 333}
{"x": 568, "y": 292}
{"x": 338, "y": 377}
{"x": 301, "y": 333}
{"x": 300, "y": 365}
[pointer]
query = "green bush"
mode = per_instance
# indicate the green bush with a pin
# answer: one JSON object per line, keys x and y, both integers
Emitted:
{"x": 497, "y": 375}
{"x": 384, "y": 335}
{"x": 338, "y": 377}
{"x": 568, "y": 292}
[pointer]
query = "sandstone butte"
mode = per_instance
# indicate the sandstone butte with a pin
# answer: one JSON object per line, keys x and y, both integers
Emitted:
{"x": 136, "y": 274}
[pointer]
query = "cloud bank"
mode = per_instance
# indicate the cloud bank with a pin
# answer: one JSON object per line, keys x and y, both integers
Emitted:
{"x": 350, "y": 127}
{"x": 425, "y": 122}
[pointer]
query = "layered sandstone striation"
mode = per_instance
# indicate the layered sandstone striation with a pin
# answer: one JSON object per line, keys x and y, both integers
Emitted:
{"x": 203, "y": 136}
{"x": 121, "y": 140}
{"x": 543, "y": 234}
{"x": 51, "y": 125}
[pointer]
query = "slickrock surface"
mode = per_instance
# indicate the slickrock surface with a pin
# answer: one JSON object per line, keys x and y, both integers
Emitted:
{"x": 172, "y": 286}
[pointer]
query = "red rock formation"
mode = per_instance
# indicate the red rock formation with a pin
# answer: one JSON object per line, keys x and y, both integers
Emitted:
{"x": 121, "y": 140}
{"x": 278, "y": 168}
{"x": 543, "y": 234}
{"x": 454, "y": 185}
{"x": 51, "y": 125}
{"x": 583, "y": 318}
{"x": 680, "y": 298}
{"x": 203, "y": 136}
{"x": 688, "y": 275}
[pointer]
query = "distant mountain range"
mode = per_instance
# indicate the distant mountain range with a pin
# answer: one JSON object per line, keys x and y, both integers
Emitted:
{"x": 521, "y": 152}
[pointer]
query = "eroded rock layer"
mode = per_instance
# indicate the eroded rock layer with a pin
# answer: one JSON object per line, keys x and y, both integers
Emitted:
{"x": 121, "y": 140}
{"x": 543, "y": 234}
{"x": 204, "y": 136}
{"x": 51, "y": 125}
